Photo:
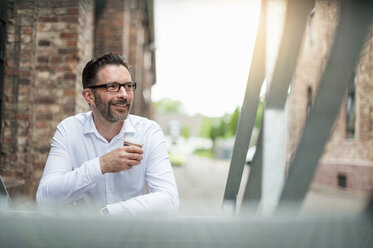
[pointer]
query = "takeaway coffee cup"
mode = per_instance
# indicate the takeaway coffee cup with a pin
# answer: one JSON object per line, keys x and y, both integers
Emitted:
{"x": 133, "y": 142}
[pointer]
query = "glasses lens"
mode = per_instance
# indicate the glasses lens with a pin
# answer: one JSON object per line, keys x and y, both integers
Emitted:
{"x": 112, "y": 87}
{"x": 115, "y": 87}
{"x": 130, "y": 86}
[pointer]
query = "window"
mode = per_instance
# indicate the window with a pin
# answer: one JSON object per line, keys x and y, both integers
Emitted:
{"x": 342, "y": 181}
{"x": 351, "y": 111}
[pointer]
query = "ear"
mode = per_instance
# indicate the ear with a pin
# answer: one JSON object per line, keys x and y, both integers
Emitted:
{"x": 89, "y": 97}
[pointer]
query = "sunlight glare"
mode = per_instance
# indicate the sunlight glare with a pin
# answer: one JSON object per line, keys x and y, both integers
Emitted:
{"x": 204, "y": 51}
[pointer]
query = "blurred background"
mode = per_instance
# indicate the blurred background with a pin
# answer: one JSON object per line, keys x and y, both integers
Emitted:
{"x": 191, "y": 59}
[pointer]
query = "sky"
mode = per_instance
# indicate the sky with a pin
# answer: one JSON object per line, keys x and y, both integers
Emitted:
{"x": 203, "y": 52}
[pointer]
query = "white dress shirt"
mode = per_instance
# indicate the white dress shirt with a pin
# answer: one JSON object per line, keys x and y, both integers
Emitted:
{"x": 72, "y": 171}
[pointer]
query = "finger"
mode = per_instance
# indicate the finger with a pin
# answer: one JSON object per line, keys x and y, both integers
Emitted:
{"x": 133, "y": 162}
{"x": 134, "y": 156}
{"x": 124, "y": 154}
{"x": 133, "y": 149}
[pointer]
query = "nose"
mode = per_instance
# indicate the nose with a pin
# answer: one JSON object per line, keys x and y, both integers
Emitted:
{"x": 122, "y": 91}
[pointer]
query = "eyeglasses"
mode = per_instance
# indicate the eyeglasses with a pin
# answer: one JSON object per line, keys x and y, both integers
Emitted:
{"x": 115, "y": 87}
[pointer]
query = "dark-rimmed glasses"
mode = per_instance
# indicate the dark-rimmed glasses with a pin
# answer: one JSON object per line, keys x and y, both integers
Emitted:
{"x": 115, "y": 87}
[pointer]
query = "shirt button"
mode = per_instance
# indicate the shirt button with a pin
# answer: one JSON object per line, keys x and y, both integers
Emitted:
{"x": 109, "y": 191}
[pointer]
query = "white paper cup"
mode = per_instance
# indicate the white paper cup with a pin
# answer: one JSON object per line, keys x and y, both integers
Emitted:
{"x": 133, "y": 142}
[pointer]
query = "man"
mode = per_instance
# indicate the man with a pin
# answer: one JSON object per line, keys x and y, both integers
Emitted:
{"x": 88, "y": 160}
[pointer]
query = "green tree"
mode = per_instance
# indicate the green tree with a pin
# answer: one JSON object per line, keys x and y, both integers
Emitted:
{"x": 222, "y": 127}
{"x": 167, "y": 105}
{"x": 214, "y": 131}
{"x": 205, "y": 128}
{"x": 233, "y": 122}
{"x": 185, "y": 131}
{"x": 259, "y": 114}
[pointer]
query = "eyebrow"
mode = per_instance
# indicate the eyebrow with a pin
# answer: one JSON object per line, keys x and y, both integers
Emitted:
{"x": 119, "y": 83}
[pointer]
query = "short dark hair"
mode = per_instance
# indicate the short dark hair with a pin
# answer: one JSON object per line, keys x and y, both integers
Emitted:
{"x": 90, "y": 71}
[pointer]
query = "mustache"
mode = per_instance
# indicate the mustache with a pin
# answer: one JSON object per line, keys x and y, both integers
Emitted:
{"x": 120, "y": 101}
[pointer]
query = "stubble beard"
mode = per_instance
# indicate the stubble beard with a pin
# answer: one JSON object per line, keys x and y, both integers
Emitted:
{"x": 106, "y": 111}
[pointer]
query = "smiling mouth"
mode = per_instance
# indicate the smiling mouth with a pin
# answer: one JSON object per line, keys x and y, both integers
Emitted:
{"x": 121, "y": 105}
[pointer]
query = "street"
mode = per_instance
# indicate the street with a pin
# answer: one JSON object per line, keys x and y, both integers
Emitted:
{"x": 201, "y": 183}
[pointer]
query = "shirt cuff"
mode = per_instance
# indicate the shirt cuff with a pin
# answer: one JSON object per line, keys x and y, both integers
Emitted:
{"x": 115, "y": 209}
{"x": 95, "y": 171}
{"x": 104, "y": 211}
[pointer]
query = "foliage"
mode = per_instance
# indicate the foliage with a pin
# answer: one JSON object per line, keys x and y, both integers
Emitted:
{"x": 185, "y": 131}
{"x": 259, "y": 114}
{"x": 167, "y": 105}
{"x": 176, "y": 159}
{"x": 234, "y": 121}
{"x": 224, "y": 127}
{"x": 205, "y": 128}
{"x": 204, "y": 153}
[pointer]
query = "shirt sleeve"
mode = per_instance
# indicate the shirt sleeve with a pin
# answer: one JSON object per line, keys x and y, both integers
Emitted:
{"x": 60, "y": 183}
{"x": 163, "y": 196}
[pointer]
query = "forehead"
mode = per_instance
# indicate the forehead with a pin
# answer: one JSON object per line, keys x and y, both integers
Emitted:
{"x": 114, "y": 73}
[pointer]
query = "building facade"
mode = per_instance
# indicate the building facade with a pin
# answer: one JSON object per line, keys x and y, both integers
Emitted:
{"x": 347, "y": 161}
{"x": 47, "y": 44}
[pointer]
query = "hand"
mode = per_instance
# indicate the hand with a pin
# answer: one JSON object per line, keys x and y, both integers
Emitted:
{"x": 122, "y": 158}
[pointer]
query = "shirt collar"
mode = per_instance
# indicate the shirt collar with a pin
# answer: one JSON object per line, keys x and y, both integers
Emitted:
{"x": 128, "y": 126}
{"x": 90, "y": 127}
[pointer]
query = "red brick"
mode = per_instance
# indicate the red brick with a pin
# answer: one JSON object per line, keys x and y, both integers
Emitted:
{"x": 23, "y": 116}
{"x": 44, "y": 116}
{"x": 12, "y": 72}
{"x": 70, "y": 93}
{"x": 43, "y": 59}
{"x": 48, "y": 19}
{"x": 45, "y": 100}
{"x": 69, "y": 19}
{"x": 26, "y": 30}
{"x": 44, "y": 68}
{"x": 25, "y": 73}
{"x": 68, "y": 35}
{"x": 25, "y": 55}
{"x": 72, "y": 59}
{"x": 64, "y": 68}
{"x": 72, "y": 43}
{"x": 68, "y": 51}
{"x": 56, "y": 59}
{"x": 70, "y": 76}
{"x": 73, "y": 11}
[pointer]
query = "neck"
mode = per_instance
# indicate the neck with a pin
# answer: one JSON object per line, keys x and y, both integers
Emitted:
{"x": 107, "y": 129}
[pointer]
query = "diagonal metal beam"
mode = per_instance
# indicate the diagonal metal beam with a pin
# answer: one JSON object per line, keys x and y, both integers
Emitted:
{"x": 4, "y": 196}
{"x": 248, "y": 113}
{"x": 273, "y": 171}
{"x": 356, "y": 17}
{"x": 253, "y": 189}
{"x": 296, "y": 17}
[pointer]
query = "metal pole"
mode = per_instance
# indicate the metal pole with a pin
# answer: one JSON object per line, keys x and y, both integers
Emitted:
{"x": 274, "y": 142}
{"x": 248, "y": 114}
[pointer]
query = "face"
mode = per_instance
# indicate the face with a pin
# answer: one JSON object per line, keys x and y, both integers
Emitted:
{"x": 113, "y": 106}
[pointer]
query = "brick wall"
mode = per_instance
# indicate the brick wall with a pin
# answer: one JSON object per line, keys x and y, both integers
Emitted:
{"x": 48, "y": 43}
{"x": 351, "y": 158}
{"x": 124, "y": 27}
{"x": 109, "y": 27}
